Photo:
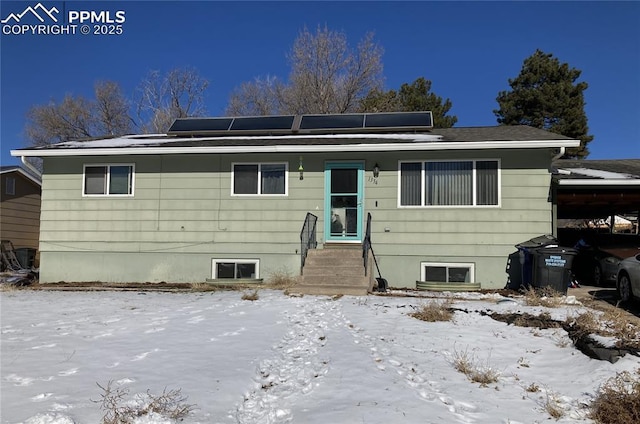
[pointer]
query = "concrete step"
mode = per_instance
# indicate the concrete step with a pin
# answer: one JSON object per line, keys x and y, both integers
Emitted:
{"x": 330, "y": 261}
{"x": 335, "y": 253}
{"x": 334, "y": 270}
{"x": 330, "y": 290}
{"x": 333, "y": 280}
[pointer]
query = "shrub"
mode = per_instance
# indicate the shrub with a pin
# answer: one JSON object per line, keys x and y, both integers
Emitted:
{"x": 434, "y": 311}
{"x": 618, "y": 400}
{"x": 169, "y": 404}
{"x": 478, "y": 373}
{"x": 250, "y": 295}
{"x": 282, "y": 279}
{"x": 532, "y": 388}
{"x": 553, "y": 408}
{"x": 543, "y": 296}
{"x": 611, "y": 323}
{"x": 203, "y": 287}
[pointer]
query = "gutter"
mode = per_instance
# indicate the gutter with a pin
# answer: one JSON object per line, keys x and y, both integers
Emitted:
{"x": 559, "y": 155}
{"x": 380, "y": 147}
{"x": 597, "y": 182}
{"x": 27, "y": 165}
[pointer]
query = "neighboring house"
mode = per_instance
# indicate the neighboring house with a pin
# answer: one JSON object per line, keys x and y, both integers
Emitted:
{"x": 226, "y": 198}
{"x": 19, "y": 207}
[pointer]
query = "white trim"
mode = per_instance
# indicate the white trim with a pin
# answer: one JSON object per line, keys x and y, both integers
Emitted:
{"x": 597, "y": 182}
{"x": 215, "y": 261}
{"x": 259, "y": 164}
{"x": 362, "y": 147}
{"x": 470, "y": 265}
{"x": 23, "y": 173}
{"x": 109, "y": 165}
{"x": 422, "y": 182}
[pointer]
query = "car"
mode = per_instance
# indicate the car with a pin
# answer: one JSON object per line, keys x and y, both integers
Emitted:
{"x": 595, "y": 266}
{"x": 628, "y": 281}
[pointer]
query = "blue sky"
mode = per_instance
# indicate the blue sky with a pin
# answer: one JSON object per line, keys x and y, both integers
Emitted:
{"x": 468, "y": 50}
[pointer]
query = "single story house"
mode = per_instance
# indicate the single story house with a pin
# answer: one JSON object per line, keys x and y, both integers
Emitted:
{"x": 227, "y": 198}
{"x": 20, "y": 209}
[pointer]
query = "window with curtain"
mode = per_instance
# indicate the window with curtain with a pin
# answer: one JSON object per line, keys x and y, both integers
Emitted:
{"x": 449, "y": 183}
{"x": 108, "y": 180}
{"x": 260, "y": 179}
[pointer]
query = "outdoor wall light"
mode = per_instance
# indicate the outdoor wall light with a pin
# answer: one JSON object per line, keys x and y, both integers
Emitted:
{"x": 301, "y": 169}
{"x": 376, "y": 170}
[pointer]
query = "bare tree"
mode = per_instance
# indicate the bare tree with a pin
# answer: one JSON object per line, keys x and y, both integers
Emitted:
{"x": 163, "y": 98}
{"x": 327, "y": 76}
{"x": 112, "y": 109}
{"x": 256, "y": 98}
{"x": 77, "y": 117}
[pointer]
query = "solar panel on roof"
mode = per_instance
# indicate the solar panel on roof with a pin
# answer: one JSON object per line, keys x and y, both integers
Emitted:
{"x": 200, "y": 124}
{"x": 256, "y": 123}
{"x": 303, "y": 124}
{"x": 313, "y": 122}
{"x": 398, "y": 120}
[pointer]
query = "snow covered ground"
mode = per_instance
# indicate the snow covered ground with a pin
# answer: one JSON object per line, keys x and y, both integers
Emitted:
{"x": 284, "y": 359}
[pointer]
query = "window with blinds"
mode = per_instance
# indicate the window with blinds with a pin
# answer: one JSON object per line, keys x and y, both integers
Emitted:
{"x": 449, "y": 183}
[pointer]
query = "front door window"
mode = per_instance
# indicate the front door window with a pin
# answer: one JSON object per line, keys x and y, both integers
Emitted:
{"x": 344, "y": 206}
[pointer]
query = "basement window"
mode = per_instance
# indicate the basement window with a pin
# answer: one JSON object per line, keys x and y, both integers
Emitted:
{"x": 436, "y": 272}
{"x": 234, "y": 269}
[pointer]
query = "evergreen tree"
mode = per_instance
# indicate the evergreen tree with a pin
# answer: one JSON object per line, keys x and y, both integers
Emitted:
{"x": 546, "y": 95}
{"x": 411, "y": 97}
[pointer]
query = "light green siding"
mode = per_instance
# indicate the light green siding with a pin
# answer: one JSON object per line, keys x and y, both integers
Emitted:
{"x": 182, "y": 215}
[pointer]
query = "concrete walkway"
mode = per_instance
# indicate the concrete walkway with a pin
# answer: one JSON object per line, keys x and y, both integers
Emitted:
{"x": 605, "y": 298}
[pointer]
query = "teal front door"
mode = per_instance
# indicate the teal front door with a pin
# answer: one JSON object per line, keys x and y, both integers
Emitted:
{"x": 343, "y": 201}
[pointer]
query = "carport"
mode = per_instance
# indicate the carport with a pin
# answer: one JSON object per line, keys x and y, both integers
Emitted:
{"x": 589, "y": 195}
{"x": 591, "y": 190}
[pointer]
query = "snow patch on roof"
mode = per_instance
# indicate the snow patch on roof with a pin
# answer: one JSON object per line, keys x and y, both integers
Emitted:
{"x": 151, "y": 140}
{"x": 596, "y": 173}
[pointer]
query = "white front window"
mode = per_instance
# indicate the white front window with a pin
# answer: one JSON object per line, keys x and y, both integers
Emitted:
{"x": 259, "y": 179}
{"x": 108, "y": 180}
{"x": 449, "y": 183}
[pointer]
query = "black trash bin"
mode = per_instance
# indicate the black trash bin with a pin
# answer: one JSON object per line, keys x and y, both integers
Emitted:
{"x": 26, "y": 256}
{"x": 521, "y": 265}
{"x": 553, "y": 267}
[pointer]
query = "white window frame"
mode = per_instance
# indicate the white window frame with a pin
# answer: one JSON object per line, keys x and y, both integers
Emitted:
{"x": 215, "y": 261}
{"x": 422, "y": 183}
{"x": 108, "y": 165}
{"x": 259, "y": 164}
{"x": 10, "y": 186}
{"x": 470, "y": 265}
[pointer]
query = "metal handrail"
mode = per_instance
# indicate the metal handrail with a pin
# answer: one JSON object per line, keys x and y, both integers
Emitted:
{"x": 307, "y": 237}
{"x": 366, "y": 248}
{"x": 366, "y": 244}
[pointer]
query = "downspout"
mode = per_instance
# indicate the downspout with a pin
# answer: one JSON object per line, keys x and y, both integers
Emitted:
{"x": 559, "y": 155}
{"x": 554, "y": 195}
{"x": 30, "y": 167}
